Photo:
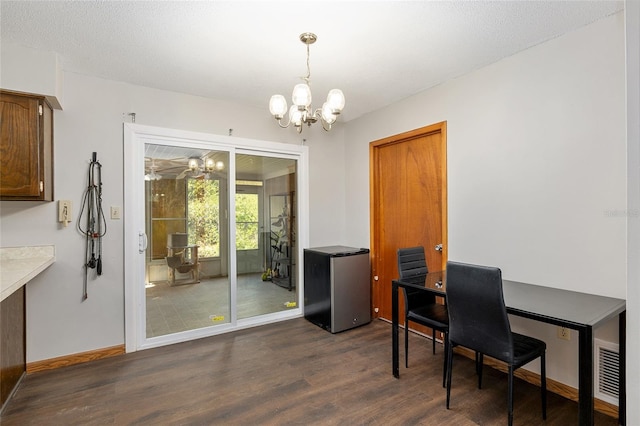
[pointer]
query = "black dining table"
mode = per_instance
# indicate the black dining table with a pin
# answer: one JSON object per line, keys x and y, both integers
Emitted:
{"x": 565, "y": 308}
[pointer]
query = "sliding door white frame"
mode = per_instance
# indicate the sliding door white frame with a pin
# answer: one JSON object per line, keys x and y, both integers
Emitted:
{"x": 135, "y": 138}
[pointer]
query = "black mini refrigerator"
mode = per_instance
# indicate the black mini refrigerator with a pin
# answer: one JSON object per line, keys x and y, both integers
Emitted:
{"x": 337, "y": 291}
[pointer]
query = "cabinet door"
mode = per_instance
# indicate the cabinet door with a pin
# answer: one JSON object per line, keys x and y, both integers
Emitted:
{"x": 23, "y": 151}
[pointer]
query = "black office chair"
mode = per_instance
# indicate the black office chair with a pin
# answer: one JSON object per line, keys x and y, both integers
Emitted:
{"x": 420, "y": 306}
{"x": 478, "y": 320}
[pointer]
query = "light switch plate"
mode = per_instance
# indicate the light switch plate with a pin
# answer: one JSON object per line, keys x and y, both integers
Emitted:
{"x": 64, "y": 211}
{"x": 115, "y": 212}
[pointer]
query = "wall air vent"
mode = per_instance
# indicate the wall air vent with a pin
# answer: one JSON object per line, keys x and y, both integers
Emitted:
{"x": 607, "y": 360}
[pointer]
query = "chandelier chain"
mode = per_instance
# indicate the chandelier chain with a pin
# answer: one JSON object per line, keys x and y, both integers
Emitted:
{"x": 308, "y": 77}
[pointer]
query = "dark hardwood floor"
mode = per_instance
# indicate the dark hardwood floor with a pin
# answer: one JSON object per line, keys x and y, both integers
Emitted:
{"x": 289, "y": 373}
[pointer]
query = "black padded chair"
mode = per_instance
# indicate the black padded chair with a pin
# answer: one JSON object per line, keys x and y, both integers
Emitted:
{"x": 478, "y": 320}
{"x": 420, "y": 306}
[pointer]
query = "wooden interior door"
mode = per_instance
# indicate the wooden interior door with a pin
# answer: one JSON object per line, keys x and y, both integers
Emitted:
{"x": 408, "y": 181}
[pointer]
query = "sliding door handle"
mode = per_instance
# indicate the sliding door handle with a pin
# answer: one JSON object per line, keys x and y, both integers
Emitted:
{"x": 142, "y": 242}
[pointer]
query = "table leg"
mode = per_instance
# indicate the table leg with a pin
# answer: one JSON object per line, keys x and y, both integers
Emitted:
{"x": 585, "y": 376}
{"x": 394, "y": 329}
{"x": 622, "y": 384}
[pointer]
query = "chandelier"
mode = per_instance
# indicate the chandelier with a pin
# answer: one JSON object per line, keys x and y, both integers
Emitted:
{"x": 301, "y": 111}
{"x": 201, "y": 168}
{"x": 152, "y": 175}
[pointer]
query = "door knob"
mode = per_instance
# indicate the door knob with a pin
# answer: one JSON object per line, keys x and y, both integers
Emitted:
{"x": 438, "y": 247}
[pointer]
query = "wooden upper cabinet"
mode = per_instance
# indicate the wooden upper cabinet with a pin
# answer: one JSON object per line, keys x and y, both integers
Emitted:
{"x": 26, "y": 147}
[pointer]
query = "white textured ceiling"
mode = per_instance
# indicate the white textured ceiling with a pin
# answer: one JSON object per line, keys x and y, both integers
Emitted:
{"x": 377, "y": 52}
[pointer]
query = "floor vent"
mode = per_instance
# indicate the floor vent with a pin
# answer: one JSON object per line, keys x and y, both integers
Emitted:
{"x": 607, "y": 358}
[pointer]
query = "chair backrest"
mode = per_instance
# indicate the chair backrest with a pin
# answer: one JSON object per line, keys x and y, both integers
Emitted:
{"x": 411, "y": 262}
{"x": 178, "y": 239}
{"x": 477, "y": 314}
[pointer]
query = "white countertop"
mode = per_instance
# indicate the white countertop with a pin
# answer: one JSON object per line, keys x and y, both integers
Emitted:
{"x": 18, "y": 266}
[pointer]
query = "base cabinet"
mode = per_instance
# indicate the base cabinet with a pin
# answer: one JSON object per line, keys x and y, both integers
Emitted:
{"x": 26, "y": 147}
{"x": 12, "y": 343}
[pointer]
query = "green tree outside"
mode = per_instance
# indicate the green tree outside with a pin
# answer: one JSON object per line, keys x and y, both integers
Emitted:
{"x": 203, "y": 220}
{"x": 246, "y": 221}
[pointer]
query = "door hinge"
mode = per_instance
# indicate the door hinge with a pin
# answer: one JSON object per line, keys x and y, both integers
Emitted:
{"x": 41, "y": 186}
{"x": 40, "y": 110}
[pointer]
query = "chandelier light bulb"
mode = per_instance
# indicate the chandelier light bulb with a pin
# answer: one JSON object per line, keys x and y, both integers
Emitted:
{"x": 301, "y": 95}
{"x": 152, "y": 176}
{"x": 295, "y": 116}
{"x": 336, "y": 100}
{"x": 209, "y": 164}
{"x": 278, "y": 106}
{"x": 327, "y": 113}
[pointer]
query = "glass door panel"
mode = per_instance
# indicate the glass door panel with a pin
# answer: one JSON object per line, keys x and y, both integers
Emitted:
{"x": 266, "y": 246}
{"x": 187, "y": 274}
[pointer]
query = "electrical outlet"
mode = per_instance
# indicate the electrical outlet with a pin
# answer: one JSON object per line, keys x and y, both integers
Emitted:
{"x": 564, "y": 333}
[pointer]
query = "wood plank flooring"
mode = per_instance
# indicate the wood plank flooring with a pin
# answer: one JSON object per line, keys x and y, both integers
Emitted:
{"x": 288, "y": 373}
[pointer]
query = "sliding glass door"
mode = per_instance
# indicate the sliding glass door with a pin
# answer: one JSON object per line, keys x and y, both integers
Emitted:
{"x": 219, "y": 246}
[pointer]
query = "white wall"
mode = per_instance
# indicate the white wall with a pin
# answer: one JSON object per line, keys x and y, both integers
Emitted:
{"x": 327, "y": 170}
{"x": 58, "y": 322}
{"x": 39, "y": 72}
{"x": 632, "y": 26}
{"x": 536, "y": 160}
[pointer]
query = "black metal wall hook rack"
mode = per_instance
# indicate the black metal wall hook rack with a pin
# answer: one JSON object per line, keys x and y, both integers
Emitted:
{"x": 95, "y": 223}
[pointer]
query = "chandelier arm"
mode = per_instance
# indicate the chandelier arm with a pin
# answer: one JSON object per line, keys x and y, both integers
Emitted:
{"x": 326, "y": 126}
{"x": 284, "y": 126}
{"x": 307, "y": 116}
